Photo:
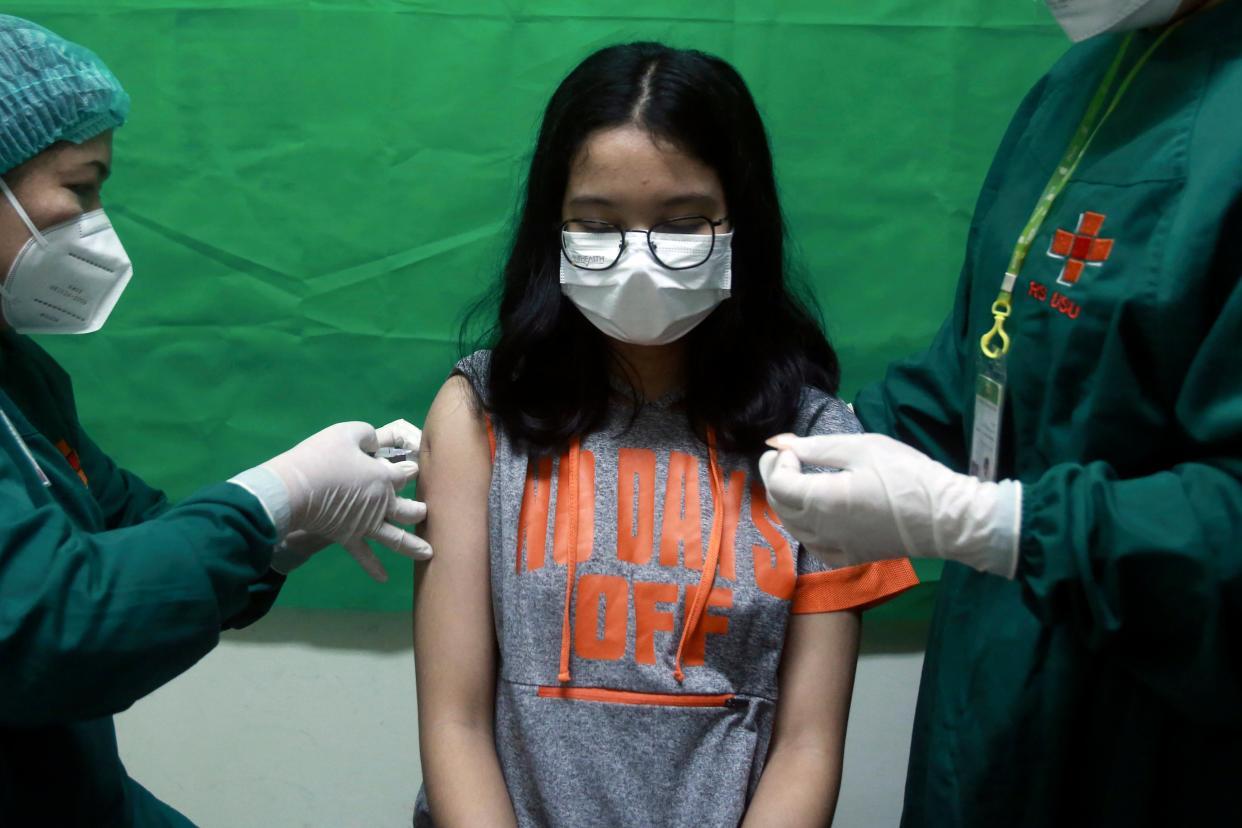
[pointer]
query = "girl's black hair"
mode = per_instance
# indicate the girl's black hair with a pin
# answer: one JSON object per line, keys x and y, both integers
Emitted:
{"x": 747, "y": 363}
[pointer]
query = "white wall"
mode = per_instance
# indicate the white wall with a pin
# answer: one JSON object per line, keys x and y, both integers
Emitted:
{"x": 308, "y": 719}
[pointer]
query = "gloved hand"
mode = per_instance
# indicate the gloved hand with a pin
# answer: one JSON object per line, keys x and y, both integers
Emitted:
{"x": 334, "y": 491}
{"x": 400, "y": 434}
{"x": 889, "y": 500}
{"x": 297, "y": 548}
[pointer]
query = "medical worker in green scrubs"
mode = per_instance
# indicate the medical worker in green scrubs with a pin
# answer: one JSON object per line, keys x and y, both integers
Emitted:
{"x": 1085, "y": 660}
{"x": 108, "y": 591}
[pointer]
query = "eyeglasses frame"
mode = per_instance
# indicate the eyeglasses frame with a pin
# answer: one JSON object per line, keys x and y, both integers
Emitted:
{"x": 650, "y": 246}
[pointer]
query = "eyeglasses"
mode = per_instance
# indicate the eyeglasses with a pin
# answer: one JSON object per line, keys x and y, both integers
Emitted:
{"x": 677, "y": 244}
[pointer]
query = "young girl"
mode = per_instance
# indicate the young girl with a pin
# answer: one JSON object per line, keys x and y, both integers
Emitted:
{"x": 615, "y": 629}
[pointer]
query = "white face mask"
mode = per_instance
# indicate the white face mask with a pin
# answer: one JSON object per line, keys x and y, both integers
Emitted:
{"x": 640, "y": 301}
{"x": 1083, "y": 19}
{"x": 67, "y": 279}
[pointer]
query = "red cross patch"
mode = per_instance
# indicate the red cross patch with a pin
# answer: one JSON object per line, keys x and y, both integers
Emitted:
{"x": 1082, "y": 248}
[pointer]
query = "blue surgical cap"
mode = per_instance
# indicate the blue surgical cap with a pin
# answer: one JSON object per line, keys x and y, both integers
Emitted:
{"x": 51, "y": 90}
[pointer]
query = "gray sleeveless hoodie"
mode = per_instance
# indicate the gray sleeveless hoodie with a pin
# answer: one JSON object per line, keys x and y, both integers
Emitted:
{"x": 637, "y": 678}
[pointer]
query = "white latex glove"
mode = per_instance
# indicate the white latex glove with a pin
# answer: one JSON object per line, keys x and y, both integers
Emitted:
{"x": 297, "y": 548}
{"x": 887, "y": 501}
{"x": 400, "y": 434}
{"x": 337, "y": 492}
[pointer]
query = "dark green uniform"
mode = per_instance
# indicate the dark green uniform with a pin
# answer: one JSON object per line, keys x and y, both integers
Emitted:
{"x": 106, "y": 593}
{"x": 1102, "y": 687}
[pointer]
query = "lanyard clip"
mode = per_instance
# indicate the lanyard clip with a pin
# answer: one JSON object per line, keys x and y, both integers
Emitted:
{"x": 1000, "y": 312}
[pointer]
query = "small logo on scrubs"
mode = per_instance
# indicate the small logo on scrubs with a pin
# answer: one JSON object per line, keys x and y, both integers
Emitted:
{"x": 1081, "y": 249}
{"x": 75, "y": 463}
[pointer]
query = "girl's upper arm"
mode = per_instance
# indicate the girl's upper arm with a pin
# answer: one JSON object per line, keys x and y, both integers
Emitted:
{"x": 808, "y": 741}
{"x": 817, "y": 679}
{"x": 454, "y": 638}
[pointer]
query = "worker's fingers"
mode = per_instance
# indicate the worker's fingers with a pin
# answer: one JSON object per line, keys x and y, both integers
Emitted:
{"x": 361, "y": 552}
{"x": 782, "y": 476}
{"x": 305, "y": 544}
{"x": 401, "y": 474}
{"x": 400, "y": 434}
{"x": 767, "y": 465}
{"x": 780, "y": 441}
{"x": 838, "y": 451}
{"x": 422, "y": 549}
{"x": 361, "y": 433}
{"x": 406, "y": 511}
{"x": 402, "y": 542}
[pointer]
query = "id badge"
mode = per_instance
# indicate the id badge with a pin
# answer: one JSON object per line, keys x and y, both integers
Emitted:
{"x": 989, "y": 405}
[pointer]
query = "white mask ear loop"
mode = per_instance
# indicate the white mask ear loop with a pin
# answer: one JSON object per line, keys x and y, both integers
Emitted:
{"x": 21, "y": 212}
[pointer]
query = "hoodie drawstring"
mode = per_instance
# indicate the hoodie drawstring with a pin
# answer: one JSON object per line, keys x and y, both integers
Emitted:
{"x": 575, "y": 447}
{"x": 706, "y": 581}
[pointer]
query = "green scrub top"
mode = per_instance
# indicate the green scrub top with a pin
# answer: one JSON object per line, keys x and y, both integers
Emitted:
{"x": 106, "y": 593}
{"x": 1103, "y": 686}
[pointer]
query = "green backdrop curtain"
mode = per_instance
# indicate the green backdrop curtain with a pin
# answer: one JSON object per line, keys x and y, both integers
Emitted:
{"x": 314, "y": 192}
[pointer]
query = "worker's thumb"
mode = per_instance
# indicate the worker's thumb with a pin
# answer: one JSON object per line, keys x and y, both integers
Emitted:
{"x": 782, "y": 476}
{"x": 400, "y": 434}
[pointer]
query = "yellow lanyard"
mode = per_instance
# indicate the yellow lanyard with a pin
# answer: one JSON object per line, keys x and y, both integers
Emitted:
{"x": 1097, "y": 114}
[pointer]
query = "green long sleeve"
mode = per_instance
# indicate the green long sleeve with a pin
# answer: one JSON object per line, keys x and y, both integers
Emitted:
{"x": 1148, "y": 568}
{"x": 91, "y": 622}
{"x": 123, "y": 497}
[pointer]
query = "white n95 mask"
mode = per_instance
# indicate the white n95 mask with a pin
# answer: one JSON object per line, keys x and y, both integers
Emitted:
{"x": 640, "y": 301}
{"x": 66, "y": 279}
{"x": 1083, "y": 19}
